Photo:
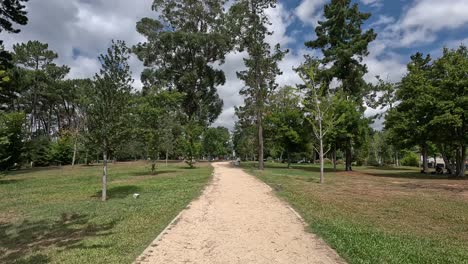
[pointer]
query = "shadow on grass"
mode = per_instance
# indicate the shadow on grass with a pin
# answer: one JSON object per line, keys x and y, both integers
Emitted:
{"x": 119, "y": 192}
{"x": 32, "y": 170}
{"x": 408, "y": 175}
{"x": 17, "y": 241}
{"x": 148, "y": 173}
{"x": 13, "y": 181}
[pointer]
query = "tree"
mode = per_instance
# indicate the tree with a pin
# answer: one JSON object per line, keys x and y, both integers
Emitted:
{"x": 12, "y": 12}
{"x": 108, "y": 103}
{"x": 11, "y": 139}
{"x": 41, "y": 83}
{"x": 157, "y": 113}
{"x": 410, "y": 119}
{"x": 182, "y": 46}
{"x": 244, "y": 140}
{"x": 344, "y": 45}
{"x": 321, "y": 115}
{"x": 450, "y": 107}
{"x": 216, "y": 142}
{"x": 285, "y": 122}
{"x": 262, "y": 63}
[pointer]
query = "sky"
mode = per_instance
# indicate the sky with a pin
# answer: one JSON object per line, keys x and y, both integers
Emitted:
{"x": 80, "y": 30}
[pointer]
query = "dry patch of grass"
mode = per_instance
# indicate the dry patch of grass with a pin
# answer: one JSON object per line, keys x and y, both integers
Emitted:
{"x": 380, "y": 215}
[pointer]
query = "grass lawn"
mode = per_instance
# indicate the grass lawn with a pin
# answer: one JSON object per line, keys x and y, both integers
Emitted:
{"x": 383, "y": 215}
{"x": 54, "y": 215}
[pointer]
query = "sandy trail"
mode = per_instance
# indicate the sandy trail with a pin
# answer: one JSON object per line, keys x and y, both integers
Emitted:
{"x": 237, "y": 220}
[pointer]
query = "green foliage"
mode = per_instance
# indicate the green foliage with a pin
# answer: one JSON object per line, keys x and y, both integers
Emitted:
{"x": 285, "y": 124}
{"x": 410, "y": 159}
{"x": 61, "y": 151}
{"x": 244, "y": 140}
{"x": 259, "y": 78}
{"x": 344, "y": 45}
{"x": 38, "y": 79}
{"x": 38, "y": 151}
{"x": 108, "y": 99}
{"x": 182, "y": 46}
{"x": 216, "y": 142}
{"x": 11, "y": 140}
{"x": 12, "y": 12}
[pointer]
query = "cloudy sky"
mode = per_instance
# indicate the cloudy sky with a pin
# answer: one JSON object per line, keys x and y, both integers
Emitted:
{"x": 79, "y": 30}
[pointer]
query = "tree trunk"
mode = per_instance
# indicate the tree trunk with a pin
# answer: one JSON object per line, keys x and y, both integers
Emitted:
{"x": 397, "y": 159}
{"x": 425, "y": 167}
{"x": 104, "y": 177}
{"x": 349, "y": 156}
{"x": 334, "y": 158}
{"x": 322, "y": 176}
{"x": 167, "y": 157}
{"x": 153, "y": 166}
{"x": 261, "y": 165}
{"x": 86, "y": 158}
{"x": 461, "y": 160}
{"x": 75, "y": 147}
{"x": 289, "y": 160}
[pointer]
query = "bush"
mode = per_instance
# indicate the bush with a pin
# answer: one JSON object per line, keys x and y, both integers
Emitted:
{"x": 11, "y": 140}
{"x": 410, "y": 159}
{"x": 39, "y": 151}
{"x": 61, "y": 152}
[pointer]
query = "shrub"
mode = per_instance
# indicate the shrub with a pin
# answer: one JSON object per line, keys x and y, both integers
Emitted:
{"x": 410, "y": 159}
{"x": 61, "y": 152}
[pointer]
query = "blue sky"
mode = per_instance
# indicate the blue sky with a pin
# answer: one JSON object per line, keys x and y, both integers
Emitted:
{"x": 79, "y": 30}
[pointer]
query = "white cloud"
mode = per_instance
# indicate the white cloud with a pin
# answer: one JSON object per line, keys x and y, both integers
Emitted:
{"x": 85, "y": 26}
{"x": 374, "y": 3}
{"x": 422, "y": 20}
{"x": 310, "y": 11}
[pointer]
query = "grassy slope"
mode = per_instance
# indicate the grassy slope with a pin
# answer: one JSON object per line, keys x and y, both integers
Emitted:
{"x": 379, "y": 215}
{"x": 54, "y": 215}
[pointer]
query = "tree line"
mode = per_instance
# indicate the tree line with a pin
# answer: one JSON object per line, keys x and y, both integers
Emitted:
{"x": 324, "y": 118}
{"x": 48, "y": 118}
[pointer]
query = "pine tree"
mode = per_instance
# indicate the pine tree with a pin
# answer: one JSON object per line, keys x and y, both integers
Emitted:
{"x": 344, "y": 45}
{"x": 262, "y": 63}
{"x": 108, "y": 103}
{"x": 12, "y": 11}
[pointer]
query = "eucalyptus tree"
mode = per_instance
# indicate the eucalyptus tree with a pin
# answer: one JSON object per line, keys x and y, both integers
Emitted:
{"x": 250, "y": 22}
{"x": 108, "y": 103}
{"x": 344, "y": 45}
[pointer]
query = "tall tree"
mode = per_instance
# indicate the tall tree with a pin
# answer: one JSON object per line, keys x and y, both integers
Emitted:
{"x": 183, "y": 44}
{"x": 450, "y": 109}
{"x": 108, "y": 103}
{"x": 410, "y": 119}
{"x": 262, "y": 63}
{"x": 344, "y": 45}
{"x": 41, "y": 76}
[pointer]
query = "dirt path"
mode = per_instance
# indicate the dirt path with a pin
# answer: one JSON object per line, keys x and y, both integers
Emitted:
{"x": 237, "y": 220}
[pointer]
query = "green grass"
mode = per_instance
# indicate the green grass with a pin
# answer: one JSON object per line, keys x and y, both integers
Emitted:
{"x": 55, "y": 215}
{"x": 375, "y": 215}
